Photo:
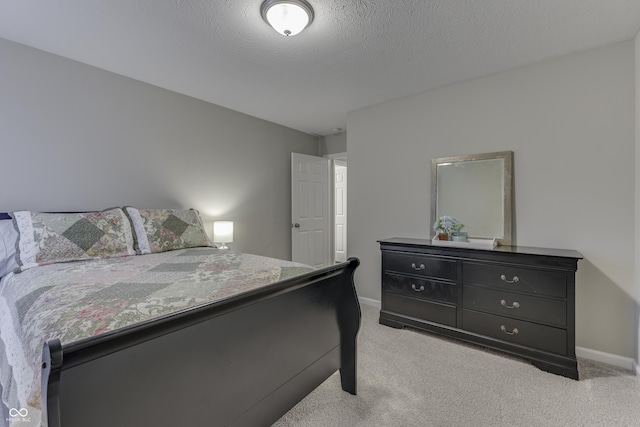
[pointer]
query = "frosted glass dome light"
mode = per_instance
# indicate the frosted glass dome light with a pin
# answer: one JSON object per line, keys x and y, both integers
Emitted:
{"x": 288, "y": 17}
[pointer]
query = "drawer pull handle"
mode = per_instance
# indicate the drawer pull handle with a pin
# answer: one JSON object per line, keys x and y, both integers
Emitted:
{"x": 504, "y": 329}
{"x": 422, "y": 267}
{"x": 515, "y": 304}
{"x": 504, "y": 279}
{"x": 417, "y": 289}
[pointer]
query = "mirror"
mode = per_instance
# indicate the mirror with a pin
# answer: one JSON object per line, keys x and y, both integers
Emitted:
{"x": 477, "y": 190}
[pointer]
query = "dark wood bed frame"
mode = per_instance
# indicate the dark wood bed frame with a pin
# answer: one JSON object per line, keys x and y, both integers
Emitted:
{"x": 243, "y": 361}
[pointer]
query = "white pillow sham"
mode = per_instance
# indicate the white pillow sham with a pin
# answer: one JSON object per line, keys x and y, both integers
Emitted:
{"x": 8, "y": 239}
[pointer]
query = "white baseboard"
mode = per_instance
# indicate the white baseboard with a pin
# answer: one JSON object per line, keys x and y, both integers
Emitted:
{"x": 370, "y": 301}
{"x": 608, "y": 358}
{"x": 586, "y": 353}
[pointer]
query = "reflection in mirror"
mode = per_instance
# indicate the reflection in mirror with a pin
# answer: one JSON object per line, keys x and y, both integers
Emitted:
{"x": 476, "y": 190}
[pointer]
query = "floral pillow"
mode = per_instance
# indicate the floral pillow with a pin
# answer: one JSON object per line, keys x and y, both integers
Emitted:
{"x": 47, "y": 238}
{"x": 160, "y": 230}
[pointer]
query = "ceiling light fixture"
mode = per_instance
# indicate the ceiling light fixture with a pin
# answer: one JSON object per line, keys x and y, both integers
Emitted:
{"x": 288, "y": 17}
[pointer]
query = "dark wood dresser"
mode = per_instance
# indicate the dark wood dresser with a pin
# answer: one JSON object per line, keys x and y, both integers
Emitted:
{"x": 519, "y": 300}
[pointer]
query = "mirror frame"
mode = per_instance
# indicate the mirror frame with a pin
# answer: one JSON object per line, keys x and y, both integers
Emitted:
{"x": 507, "y": 197}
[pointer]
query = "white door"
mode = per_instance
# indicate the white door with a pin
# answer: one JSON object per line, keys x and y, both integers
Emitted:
{"x": 310, "y": 214}
{"x": 340, "y": 203}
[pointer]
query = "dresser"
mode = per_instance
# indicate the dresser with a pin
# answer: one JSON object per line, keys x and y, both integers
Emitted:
{"x": 519, "y": 300}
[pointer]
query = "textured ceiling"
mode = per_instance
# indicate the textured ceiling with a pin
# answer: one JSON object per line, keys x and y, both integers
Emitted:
{"x": 355, "y": 53}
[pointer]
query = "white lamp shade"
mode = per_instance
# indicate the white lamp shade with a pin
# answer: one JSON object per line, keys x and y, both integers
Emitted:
{"x": 223, "y": 231}
{"x": 287, "y": 17}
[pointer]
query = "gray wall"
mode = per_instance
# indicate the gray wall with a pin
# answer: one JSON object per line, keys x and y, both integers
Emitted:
{"x": 332, "y": 144}
{"x": 637, "y": 199}
{"x": 73, "y": 137}
{"x": 570, "y": 122}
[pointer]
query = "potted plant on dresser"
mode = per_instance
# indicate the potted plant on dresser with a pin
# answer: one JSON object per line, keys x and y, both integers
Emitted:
{"x": 448, "y": 228}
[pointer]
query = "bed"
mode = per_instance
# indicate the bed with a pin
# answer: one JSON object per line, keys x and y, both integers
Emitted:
{"x": 165, "y": 336}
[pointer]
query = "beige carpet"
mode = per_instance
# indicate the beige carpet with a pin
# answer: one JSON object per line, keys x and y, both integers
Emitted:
{"x": 406, "y": 378}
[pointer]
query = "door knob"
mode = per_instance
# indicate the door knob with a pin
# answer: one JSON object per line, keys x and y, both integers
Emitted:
{"x": 296, "y": 225}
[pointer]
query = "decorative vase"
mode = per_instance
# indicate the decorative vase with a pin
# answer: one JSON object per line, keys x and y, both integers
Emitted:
{"x": 443, "y": 236}
{"x": 459, "y": 238}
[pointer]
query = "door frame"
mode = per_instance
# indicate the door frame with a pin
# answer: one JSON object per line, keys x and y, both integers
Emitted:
{"x": 332, "y": 197}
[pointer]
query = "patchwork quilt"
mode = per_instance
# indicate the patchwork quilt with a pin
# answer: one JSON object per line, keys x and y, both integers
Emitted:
{"x": 76, "y": 300}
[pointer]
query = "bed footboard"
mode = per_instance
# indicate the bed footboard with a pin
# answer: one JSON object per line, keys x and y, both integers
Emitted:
{"x": 244, "y": 361}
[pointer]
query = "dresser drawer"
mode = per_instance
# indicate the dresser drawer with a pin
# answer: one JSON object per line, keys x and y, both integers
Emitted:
{"x": 420, "y": 265}
{"x": 519, "y": 306}
{"x": 516, "y": 331}
{"x": 514, "y": 278}
{"x": 420, "y": 309}
{"x": 420, "y": 288}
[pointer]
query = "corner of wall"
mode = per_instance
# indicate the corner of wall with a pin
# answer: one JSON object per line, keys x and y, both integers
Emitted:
{"x": 332, "y": 144}
{"x": 637, "y": 197}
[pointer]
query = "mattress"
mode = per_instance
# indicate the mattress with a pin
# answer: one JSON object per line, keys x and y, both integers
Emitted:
{"x": 76, "y": 300}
